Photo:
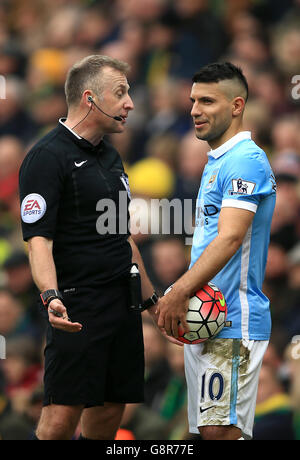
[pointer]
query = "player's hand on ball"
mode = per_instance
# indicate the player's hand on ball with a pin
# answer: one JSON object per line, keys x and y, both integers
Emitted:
{"x": 59, "y": 319}
{"x": 153, "y": 312}
{"x": 170, "y": 338}
{"x": 172, "y": 309}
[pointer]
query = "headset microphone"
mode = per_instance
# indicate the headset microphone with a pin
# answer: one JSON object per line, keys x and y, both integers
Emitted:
{"x": 90, "y": 99}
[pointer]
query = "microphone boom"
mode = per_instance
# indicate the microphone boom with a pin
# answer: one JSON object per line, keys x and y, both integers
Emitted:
{"x": 117, "y": 118}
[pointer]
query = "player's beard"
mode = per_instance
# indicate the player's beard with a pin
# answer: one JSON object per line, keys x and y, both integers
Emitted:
{"x": 216, "y": 130}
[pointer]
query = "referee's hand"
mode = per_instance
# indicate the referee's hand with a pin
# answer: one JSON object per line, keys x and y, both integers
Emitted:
{"x": 59, "y": 319}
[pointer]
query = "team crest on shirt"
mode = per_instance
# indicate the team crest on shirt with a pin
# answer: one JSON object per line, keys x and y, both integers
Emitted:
{"x": 212, "y": 179}
{"x": 241, "y": 187}
{"x": 33, "y": 208}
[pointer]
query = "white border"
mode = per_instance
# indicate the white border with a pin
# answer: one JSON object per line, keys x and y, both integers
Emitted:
{"x": 242, "y": 135}
{"x": 231, "y": 203}
{"x": 244, "y": 284}
{"x": 61, "y": 121}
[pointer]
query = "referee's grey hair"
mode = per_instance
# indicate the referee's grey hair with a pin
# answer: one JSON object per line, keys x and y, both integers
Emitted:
{"x": 86, "y": 74}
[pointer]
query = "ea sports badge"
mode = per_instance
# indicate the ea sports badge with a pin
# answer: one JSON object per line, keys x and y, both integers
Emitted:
{"x": 33, "y": 208}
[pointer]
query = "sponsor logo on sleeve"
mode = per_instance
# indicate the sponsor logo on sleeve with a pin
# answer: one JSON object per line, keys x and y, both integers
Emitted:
{"x": 242, "y": 187}
{"x": 33, "y": 208}
{"x": 125, "y": 182}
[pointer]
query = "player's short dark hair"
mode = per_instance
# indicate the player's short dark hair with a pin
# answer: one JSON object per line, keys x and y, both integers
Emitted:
{"x": 219, "y": 71}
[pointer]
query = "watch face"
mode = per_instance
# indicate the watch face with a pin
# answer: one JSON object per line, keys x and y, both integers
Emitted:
{"x": 50, "y": 293}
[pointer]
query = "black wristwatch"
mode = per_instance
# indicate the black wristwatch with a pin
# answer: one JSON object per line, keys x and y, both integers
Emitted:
{"x": 150, "y": 302}
{"x": 49, "y": 295}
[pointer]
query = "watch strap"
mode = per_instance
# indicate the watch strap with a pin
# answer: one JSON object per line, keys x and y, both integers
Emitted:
{"x": 150, "y": 302}
{"x": 49, "y": 295}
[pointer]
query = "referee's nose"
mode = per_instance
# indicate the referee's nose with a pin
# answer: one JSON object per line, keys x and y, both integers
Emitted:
{"x": 129, "y": 103}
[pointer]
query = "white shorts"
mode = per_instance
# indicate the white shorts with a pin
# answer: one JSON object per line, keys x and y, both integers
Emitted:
{"x": 222, "y": 380}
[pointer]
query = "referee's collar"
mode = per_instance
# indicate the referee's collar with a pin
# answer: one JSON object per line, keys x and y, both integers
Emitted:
{"x": 62, "y": 122}
{"x": 229, "y": 144}
{"x": 80, "y": 141}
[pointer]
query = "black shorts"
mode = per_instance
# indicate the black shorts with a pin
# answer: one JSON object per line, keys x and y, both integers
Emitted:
{"x": 104, "y": 362}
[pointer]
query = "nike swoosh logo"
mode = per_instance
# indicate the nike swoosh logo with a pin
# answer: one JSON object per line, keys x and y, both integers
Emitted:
{"x": 80, "y": 164}
{"x": 203, "y": 410}
{"x": 222, "y": 301}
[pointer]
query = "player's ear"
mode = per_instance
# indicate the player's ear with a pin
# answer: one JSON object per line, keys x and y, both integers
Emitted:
{"x": 238, "y": 105}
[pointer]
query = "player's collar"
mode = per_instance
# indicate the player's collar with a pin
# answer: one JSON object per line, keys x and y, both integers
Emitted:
{"x": 229, "y": 144}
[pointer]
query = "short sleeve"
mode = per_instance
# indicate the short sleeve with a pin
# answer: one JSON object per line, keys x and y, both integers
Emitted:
{"x": 40, "y": 185}
{"x": 244, "y": 182}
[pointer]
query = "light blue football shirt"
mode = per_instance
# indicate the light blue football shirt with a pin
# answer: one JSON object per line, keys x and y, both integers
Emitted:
{"x": 238, "y": 174}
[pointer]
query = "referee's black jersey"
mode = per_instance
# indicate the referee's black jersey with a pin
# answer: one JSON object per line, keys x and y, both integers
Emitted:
{"x": 67, "y": 186}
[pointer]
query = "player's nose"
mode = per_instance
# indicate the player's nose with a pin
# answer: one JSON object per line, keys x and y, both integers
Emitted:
{"x": 196, "y": 111}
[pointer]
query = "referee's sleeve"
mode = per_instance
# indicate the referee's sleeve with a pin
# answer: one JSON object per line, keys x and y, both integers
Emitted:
{"x": 40, "y": 184}
{"x": 244, "y": 183}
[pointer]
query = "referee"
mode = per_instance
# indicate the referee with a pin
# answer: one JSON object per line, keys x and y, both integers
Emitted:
{"x": 94, "y": 355}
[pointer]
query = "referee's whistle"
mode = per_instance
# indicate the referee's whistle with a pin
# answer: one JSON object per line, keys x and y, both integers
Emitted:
{"x": 55, "y": 313}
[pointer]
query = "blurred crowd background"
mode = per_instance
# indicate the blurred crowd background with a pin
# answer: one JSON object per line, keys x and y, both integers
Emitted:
{"x": 165, "y": 42}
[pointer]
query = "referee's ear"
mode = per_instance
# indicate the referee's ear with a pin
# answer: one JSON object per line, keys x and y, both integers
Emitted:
{"x": 87, "y": 98}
